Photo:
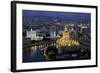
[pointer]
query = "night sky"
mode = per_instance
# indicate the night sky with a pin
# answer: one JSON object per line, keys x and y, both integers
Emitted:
{"x": 69, "y": 15}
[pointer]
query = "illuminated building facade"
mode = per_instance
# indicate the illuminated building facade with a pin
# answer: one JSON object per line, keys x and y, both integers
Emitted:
{"x": 66, "y": 40}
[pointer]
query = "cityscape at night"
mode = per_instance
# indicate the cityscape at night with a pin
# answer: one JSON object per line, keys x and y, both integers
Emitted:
{"x": 56, "y": 36}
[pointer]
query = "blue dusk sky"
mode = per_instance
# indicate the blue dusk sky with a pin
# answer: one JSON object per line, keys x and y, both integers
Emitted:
{"x": 69, "y": 15}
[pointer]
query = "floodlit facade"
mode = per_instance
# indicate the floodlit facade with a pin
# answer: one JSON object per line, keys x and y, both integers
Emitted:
{"x": 66, "y": 40}
{"x": 33, "y": 35}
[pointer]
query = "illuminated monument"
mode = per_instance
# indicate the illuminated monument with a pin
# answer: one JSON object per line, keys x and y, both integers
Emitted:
{"x": 66, "y": 40}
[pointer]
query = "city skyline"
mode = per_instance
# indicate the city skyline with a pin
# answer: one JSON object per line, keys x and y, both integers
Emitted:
{"x": 68, "y": 32}
{"x": 33, "y": 18}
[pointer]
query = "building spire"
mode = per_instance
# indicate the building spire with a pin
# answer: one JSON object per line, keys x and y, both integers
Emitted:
{"x": 65, "y": 28}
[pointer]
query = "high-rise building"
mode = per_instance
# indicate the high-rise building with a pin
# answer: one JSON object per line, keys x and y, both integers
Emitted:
{"x": 53, "y": 31}
{"x": 33, "y": 35}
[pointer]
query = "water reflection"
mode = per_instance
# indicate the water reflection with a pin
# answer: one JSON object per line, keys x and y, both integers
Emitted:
{"x": 35, "y": 54}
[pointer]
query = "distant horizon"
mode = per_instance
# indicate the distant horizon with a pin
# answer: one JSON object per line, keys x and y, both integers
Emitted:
{"x": 63, "y": 18}
{"x": 70, "y": 15}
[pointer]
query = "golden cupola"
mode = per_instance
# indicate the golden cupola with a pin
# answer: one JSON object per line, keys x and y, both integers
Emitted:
{"x": 66, "y": 40}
